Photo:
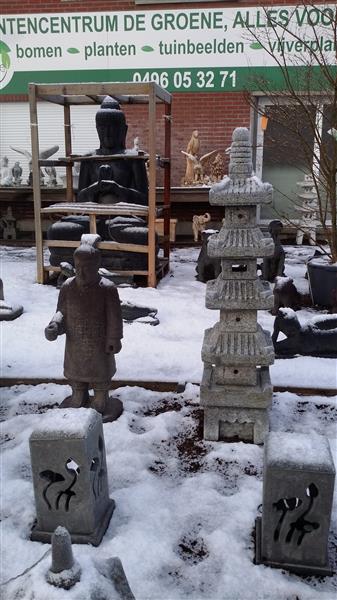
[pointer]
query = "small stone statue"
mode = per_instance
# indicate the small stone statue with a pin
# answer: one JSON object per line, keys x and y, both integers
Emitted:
{"x": 89, "y": 313}
{"x": 207, "y": 267}
{"x": 198, "y": 167}
{"x": 8, "y": 312}
{"x": 273, "y": 266}
{"x": 199, "y": 224}
{"x": 136, "y": 144}
{"x": 51, "y": 174}
{"x": 7, "y": 224}
{"x": 5, "y": 175}
{"x": 217, "y": 168}
{"x": 286, "y": 295}
{"x": 17, "y": 173}
{"x": 318, "y": 337}
{"x": 64, "y": 571}
{"x": 193, "y": 150}
{"x": 308, "y": 211}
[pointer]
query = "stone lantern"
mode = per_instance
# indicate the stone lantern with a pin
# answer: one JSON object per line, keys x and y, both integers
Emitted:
{"x": 298, "y": 484}
{"x": 236, "y": 390}
{"x": 70, "y": 476}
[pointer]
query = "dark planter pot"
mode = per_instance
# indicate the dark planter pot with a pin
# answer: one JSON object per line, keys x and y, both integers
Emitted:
{"x": 323, "y": 282}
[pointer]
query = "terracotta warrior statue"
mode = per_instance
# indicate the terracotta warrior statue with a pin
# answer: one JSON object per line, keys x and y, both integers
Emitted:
{"x": 89, "y": 314}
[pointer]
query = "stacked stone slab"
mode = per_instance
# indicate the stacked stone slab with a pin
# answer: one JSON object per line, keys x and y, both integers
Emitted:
{"x": 236, "y": 390}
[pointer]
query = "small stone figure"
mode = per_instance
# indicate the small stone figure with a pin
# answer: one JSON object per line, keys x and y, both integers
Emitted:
{"x": 7, "y": 224}
{"x": 217, "y": 168}
{"x": 308, "y": 211}
{"x": 286, "y": 295}
{"x": 8, "y": 312}
{"x": 136, "y": 144}
{"x": 89, "y": 313}
{"x": 51, "y": 174}
{"x": 273, "y": 266}
{"x": 43, "y": 155}
{"x": 318, "y": 337}
{"x": 207, "y": 267}
{"x": 64, "y": 571}
{"x": 193, "y": 150}
{"x": 5, "y": 175}
{"x": 17, "y": 173}
{"x": 199, "y": 224}
{"x": 198, "y": 167}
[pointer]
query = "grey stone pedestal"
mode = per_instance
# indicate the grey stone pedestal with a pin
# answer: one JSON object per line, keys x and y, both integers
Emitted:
{"x": 298, "y": 485}
{"x": 70, "y": 476}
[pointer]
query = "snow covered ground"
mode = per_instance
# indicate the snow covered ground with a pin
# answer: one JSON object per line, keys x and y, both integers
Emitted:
{"x": 184, "y": 521}
{"x": 183, "y": 526}
{"x": 168, "y": 352}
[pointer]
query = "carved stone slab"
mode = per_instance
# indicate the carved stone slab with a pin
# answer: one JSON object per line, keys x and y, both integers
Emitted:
{"x": 70, "y": 476}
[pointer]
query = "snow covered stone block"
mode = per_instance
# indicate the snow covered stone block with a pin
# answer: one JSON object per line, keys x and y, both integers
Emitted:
{"x": 70, "y": 476}
{"x": 298, "y": 485}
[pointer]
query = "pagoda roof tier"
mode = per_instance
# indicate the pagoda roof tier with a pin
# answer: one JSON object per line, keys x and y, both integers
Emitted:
{"x": 240, "y": 242}
{"x": 240, "y": 192}
{"x": 235, "y": 396}
{"x": 237, "y": 348}
{"x": 244, "y": 294}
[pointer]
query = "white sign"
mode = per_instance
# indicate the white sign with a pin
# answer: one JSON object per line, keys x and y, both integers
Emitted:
{"x": 182, "y": 50}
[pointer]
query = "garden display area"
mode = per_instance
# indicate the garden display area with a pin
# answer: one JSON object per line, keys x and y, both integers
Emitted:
{"x": 184, "y": 522}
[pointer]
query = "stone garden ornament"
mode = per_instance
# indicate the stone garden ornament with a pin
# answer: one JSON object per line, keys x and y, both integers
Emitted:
{"x": 108, "y": 576}
{"x": 8, "y": 311}
{"x": 317, "y": 337}
{"x": 308, "y": 221}
{"x": 7, "y": 224}
{"x": 298, "y": 484}
{"x": 236, "y": 390}
{"x": 199, "y": 224}
{"x": 208, "y": 267}
{"x": 273, "y": 266}
{"x": 89, "y": 314}
{"x": 70, "y": 476}
{"x": 191, "y": 150}
{"x": 17, "y": 173}
{"x": 5, "y": 174}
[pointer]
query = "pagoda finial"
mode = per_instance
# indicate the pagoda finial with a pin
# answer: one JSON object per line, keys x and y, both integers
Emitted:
{"x": 240, "y": 163}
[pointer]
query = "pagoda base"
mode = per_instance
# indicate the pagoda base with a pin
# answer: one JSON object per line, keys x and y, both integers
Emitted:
{"x": 236, "y": 424}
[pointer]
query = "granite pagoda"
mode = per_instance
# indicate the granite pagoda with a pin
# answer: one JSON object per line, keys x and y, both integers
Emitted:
{"x": 236, "y": 390}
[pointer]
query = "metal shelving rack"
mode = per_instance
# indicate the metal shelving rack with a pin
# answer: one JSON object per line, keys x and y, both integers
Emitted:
{"x": 70, "y": 94}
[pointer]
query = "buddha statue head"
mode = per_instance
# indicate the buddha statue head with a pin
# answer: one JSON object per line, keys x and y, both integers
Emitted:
{"x": 111, "y": 127}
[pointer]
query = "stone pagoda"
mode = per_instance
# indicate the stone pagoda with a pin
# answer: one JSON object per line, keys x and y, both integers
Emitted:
{"x": 235, "y": 389}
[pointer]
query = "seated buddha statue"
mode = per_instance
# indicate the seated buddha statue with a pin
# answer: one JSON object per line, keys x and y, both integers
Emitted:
{"x": 117, "y": 180}
{"x": 108, "y": 180}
